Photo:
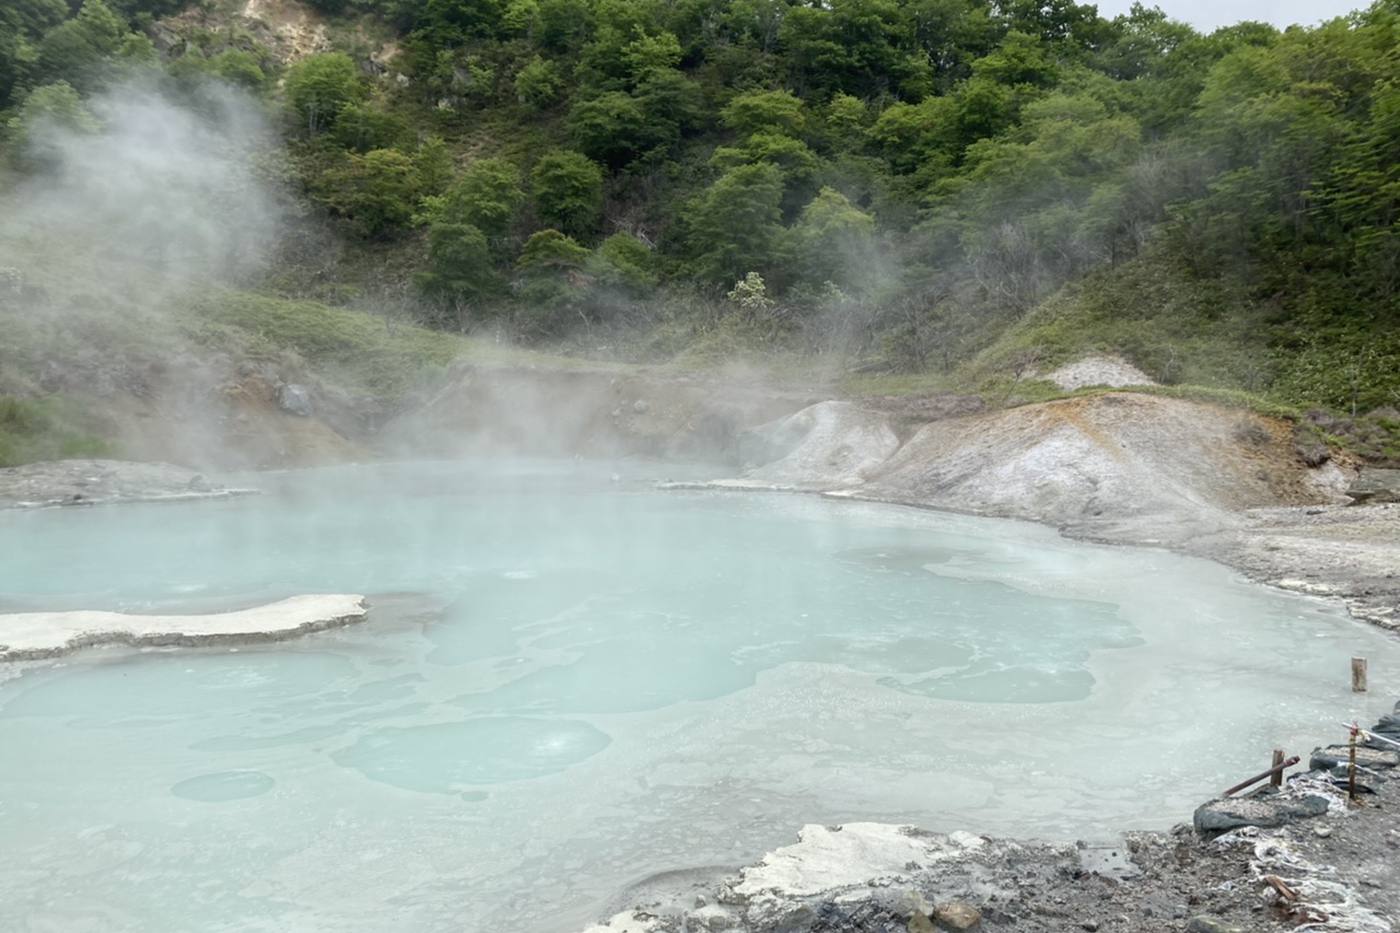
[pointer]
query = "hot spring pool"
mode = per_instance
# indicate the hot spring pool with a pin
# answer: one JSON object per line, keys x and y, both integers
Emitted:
{"x": 623, "y": 681}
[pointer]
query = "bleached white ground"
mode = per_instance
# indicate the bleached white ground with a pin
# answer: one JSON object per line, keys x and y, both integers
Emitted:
{"x": 32, "y": 635}
{"x": 1099, "y": 371}
{"x": 827, "y": 858}
{"x": 829, "y": 444}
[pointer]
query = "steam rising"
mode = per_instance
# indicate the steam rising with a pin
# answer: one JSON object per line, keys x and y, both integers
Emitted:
{"x": 160, "y": 187}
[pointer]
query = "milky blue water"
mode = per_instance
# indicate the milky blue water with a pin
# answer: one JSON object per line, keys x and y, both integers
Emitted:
{"x": 572, "y": 680}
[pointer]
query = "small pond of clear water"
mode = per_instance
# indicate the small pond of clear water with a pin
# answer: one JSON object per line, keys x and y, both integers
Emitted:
{"x": 575, "y": 680}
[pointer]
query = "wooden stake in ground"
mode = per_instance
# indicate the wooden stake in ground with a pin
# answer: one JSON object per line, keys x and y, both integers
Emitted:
{"x": 1276, "y": 778}
{"x": 1351, "y": 764}
{"x": 1279, "y": 885}
{"x": 1358, "y": 675}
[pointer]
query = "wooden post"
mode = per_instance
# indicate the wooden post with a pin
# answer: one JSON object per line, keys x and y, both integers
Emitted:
{"x": 1276, "y": 778}
{"x": 1358, "y": 675}
{"x": 1351, "y": 766}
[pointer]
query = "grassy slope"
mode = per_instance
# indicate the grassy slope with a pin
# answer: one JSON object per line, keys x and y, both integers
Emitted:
{"x": 46, "y": 429}
{"x": 355, "y": 349}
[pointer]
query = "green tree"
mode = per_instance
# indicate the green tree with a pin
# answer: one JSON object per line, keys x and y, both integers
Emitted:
{"x": 834, "y": 241}
{"x": 362, "y": 127}
{"x": 671, "y": 104}
{"x": 433, "y": 160}
{"x": 551, "y": 251}
{"x": 487, "y": 196}
{"x": 736, "y": 225}
{"x": 76, "y": 50}
{"x": 549, "y": 282}
{"x": 568, "y": 190}
{"x": 1019, "y": 59}
{"x": 377, "y": 191}
{"x": 846, "y": 121}
{"x": 862, "y": 47}
{"x": 521, "y": 17}
{"x": 22, "y": 23}
{"x": 459, "y": 268}
{"x": 51, "y": 107}
{"x": 765, "y": 111}
{"x": 240, "y": 68}
{"x": 610, "y": 128}
{"x": 446, "y": 23}
{"x": 319, "y": 87}
{"x": 539, "y": 85}
{"x": 645, "y": 54}
{"x": 624, "y": 263}
{"x": 564, "y": 25}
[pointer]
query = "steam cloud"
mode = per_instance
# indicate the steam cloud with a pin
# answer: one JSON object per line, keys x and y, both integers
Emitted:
{"x": 162, "y": 188}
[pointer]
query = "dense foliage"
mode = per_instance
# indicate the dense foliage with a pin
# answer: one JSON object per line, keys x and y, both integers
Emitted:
{"x": 918, "y": 183}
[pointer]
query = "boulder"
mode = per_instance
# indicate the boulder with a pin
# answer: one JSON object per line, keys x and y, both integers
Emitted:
{"x": 957, "y": 916}
{"x": 1335, "y": 757}
{"x": 295, "y": 399}
{"x": 1388, "y": 726}
{"x": 1375, "y": 486}
{"x": 1266, "y": 810}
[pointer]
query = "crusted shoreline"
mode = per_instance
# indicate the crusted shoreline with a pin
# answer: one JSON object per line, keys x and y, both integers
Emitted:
{"x": 1265, "y": 545}
{"x": 34, "y": 636}
{"x": 1301, "y": 856}
{"x": 66, "y": 483}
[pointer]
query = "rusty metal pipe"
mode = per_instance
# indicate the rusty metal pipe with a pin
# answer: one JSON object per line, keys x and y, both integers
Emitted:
{"x": 1277, "y": 769}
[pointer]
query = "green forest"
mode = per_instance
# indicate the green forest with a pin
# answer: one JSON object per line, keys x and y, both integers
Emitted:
{"x": 953, "y": 191}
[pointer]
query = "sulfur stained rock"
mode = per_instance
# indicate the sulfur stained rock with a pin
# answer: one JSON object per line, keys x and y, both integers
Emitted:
{"x": 957, "y": 916}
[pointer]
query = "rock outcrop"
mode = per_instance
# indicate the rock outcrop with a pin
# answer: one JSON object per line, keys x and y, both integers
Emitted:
{"x": 1111, "y": 455}
{"x": 1266, "y": 810}
{"x": 295, "y": 399}
{"x": 1375, "y": 486}
{"x": 1093, "y": 459}
{"x": 827, "y": 445}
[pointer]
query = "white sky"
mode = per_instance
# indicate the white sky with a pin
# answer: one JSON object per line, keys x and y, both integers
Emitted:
{"x": 1208, "y": 14}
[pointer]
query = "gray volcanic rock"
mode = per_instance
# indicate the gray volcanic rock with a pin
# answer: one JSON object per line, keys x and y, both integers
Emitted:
{"x": 295, "y": 399}
{"x": 1375, "y": 485}
{"x": 1335, "y": 757}
{"x": 1227, "y": 813}
{"x": 830, "y": 444}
